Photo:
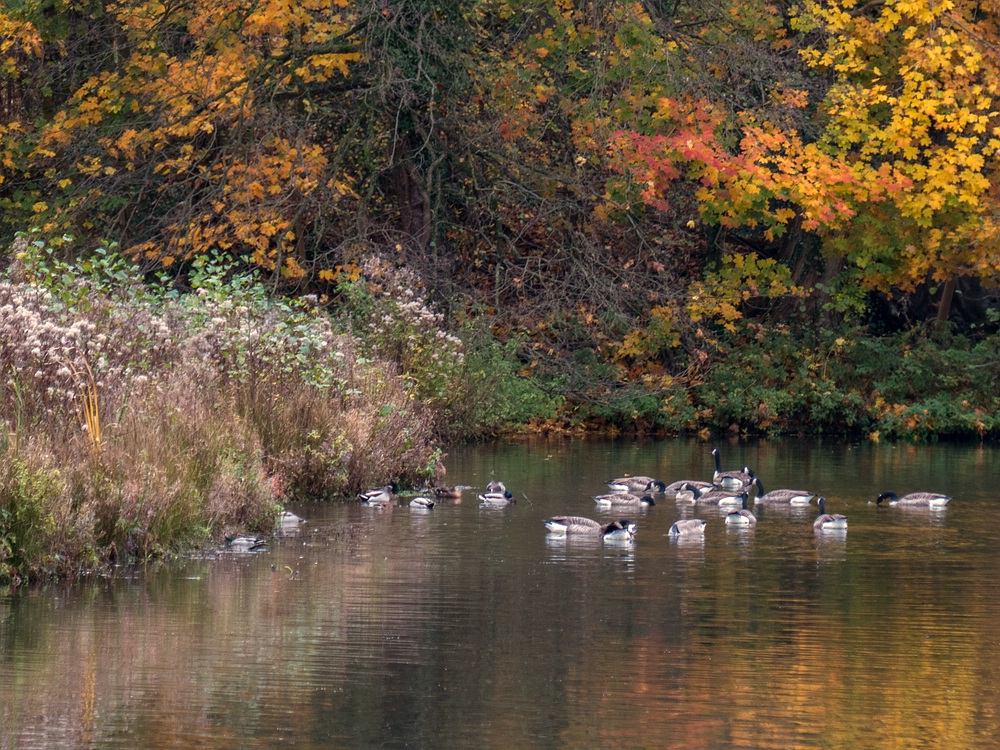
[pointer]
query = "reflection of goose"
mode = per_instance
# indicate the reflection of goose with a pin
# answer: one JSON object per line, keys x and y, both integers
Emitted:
{"x": 730, "y": 480}
{"x": 779, "y": 497}
{"x": 636, "y": 484}
{"x": 743, "y": 516}
{"x": 379, "y": 496}
{"x": 624, "y": 499}
{"x": 915, "y": 499}
{"x": 828, "y": 521}
{"x": 688, "y": 527}
{"x": 422, "y": 503}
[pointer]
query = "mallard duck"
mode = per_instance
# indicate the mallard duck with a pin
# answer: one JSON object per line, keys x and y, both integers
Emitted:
{"x": 288, "y": 520}
{"x": 496, "y": 495}
{"x": 742, "y": 517}
{"x": 638, "y": 484}
{"x": 243, "y": 544}
{"x": 451, "y": 492}
{"x": 624, "y": 499}
{"x": 622, "y": 530}
{"x": 379, "y": 496}
{"x": 828, "y": 521}
{"x": 720, "y": 497}
{"x": 730, "y": 480}
{"x": 914, "y": 499}
{"x": 781, "y": 497}
{"x": 422, "y": 503}
{"x": 688, "y": 527}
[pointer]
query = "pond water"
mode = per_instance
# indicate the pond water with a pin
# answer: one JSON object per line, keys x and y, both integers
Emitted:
{"x": 466, "y": 627}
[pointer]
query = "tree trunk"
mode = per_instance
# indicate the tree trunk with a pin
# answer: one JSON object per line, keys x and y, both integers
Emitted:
{"x": 944, "y": 305}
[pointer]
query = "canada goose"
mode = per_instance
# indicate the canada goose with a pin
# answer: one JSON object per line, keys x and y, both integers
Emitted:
{"x": 721, "y": 497}
{"x": 688, "y": 527}
{"x": 688, "y": 492}
{"x": 828, "y": 521}
{"x": 684, "y": 485}
{"x": 422, "y": 503}
{"x": 379, "y": 496}
{"x": 242, "y": 544}
{"x": 496, "y": 495}
{"x": 742, "y": 517}
{"x": 636, "y": 484}
{"x": 620, "y": 530}
{"x": 625, "y": 499}
{"x": 563, "y": 525}
{"x": 914, "y": 500}
{"x": 782, "y": 497}
{"x": 730, "y": 480}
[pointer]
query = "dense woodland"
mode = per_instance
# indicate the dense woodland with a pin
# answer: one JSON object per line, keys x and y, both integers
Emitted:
{"x": 623, "y": 196}
{"x": 259, "y": 250}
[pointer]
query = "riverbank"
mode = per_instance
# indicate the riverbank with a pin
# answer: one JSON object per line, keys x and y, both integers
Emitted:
{"x": 140, "y": 420}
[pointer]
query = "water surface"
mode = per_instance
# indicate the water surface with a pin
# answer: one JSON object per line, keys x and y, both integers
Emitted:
{"x": 468, "y": 627}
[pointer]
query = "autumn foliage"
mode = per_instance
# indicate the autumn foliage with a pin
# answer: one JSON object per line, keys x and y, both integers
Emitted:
{"x": 625, "y": 183}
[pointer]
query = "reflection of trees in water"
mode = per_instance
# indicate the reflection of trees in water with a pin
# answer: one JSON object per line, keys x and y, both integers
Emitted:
{"x": 471, "y": 629}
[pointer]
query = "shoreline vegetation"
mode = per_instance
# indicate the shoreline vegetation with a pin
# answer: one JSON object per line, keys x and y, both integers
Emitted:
{"x": 141, "y": 420}
{"x": 255, "y": 252}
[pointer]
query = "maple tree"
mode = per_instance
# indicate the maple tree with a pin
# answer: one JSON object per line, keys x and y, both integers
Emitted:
{"x": 896, "y": 181}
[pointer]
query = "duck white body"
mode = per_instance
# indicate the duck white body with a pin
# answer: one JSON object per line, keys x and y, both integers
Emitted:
{"x": 828, "y": 521}
{"x": 496, "y": 496}
{"x": 914, "y": 500}
{"x": 379, "y": 496}
{"x": 422, "y": 503}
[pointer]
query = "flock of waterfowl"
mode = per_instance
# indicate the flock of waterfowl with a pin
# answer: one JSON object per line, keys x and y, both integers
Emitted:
{"x": 727, "y": 489}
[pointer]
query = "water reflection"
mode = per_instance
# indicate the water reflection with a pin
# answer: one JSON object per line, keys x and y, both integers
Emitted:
{"x": 471, "y": 627}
